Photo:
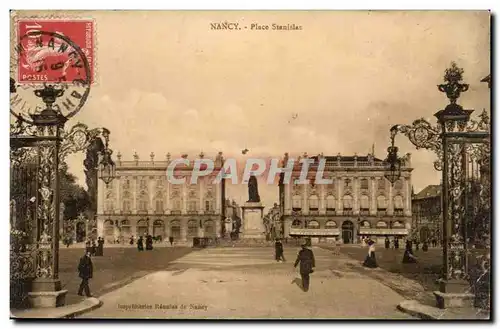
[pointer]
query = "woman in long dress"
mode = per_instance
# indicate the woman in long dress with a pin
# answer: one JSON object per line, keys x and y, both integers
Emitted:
{"x": 408, "y": 256}
{"x": 370, "y": 260}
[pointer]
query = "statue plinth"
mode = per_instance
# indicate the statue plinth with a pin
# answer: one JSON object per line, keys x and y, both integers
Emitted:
{"x": 253, "y": 224}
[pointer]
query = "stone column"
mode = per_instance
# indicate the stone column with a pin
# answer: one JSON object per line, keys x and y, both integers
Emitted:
{"x": 340, "y": 187}
{"x": 288, "y": 198}
{"x": 218, "y": 205}
{"x": 390, "y": 205}
{"x": 168, "y": 207}
{"x": 201, "y": 191}
{"x": 151, "y": 194}
{"x": 355, "y": 191}
{"x": 183, "y": 230}
{"x": 134, "y": 182}
{"x": 166, "y": 229}
{"x": 305, "y": 199}
{"x": 184, "y": 198}
{"x": 322, "y": 193}
{"x": 118, "y": 192}
{"x": 407, "y": 201}
{"x": 373, "y": 195}
{"x": 150, "y": 226}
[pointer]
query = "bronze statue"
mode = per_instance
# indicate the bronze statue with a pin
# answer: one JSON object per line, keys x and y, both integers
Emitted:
{"x": 253, "y": 190}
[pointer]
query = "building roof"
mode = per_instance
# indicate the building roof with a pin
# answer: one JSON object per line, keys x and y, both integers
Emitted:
{"x": 360, "y": 158}
{"x": 429, "y": 191}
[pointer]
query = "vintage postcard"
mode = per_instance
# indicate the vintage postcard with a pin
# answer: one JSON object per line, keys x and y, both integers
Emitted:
{"x": 250, "y": 164}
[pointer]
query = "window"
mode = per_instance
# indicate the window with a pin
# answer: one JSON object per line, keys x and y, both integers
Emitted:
{"x": 175, "y": 229}
{"x": 313, "y": 203}
{"x": 381, "y": 202}
{"x": 381, "y": 224}
{"x": 398, "y": 185}
{"x": 398, "y": 202}
{"x": 347, "y": 202}
{"x": 297, "y": 202}
{"x": 330, "y": 202}
{"x": 127, "y": 183}
{"x": 191, "y": 206}
{"x": 381, "y": 184}
{"x": 208, "y": 205}
{"x": 364, "y": 202}
{"x": 126, "y": 205}
{"x": 364, "y": 184}
{"x": 330, "y": 224}
{"x": 209, "y": 228}
{"x": 143, "y": 183}
{"x": 143, "y": 205}
{"x": 313, "y": 224}
{"x": 177, "y": 204}
{"x": 159, "y": 205}
{"x": 192, "y": 228}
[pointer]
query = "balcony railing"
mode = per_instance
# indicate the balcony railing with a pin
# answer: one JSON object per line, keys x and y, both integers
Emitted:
{"x": 347, "y": 212}
{"x": 209, "y": 212}
{"x": 159, "y": 212}
{"x": 398, "y": 212}
{"x": 192, "y": 212}
{"x": 175, "y": 212}
{"x": 330, "y": 211}
{"x": 109, "y": 211}
{"x": 126, "y": 212}
{"x": 364, "y": 211}
{"x": 313, "y": 211}
{"x": 381, "y": 212}
{"x": 142, "y": 211}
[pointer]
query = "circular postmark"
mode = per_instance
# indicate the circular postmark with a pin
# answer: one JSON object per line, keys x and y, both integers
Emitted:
{"x": 48, "y": 60}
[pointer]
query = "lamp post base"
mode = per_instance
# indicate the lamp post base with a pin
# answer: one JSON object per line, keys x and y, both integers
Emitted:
{"x": 47, "y": 293}
{"x": 454, "y": 294}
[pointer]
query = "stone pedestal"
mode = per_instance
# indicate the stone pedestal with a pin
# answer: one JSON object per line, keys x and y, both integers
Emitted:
{"x": 253, "y": 225}
{"x": 47, "y": 293}
{"x": 454, "y": 294}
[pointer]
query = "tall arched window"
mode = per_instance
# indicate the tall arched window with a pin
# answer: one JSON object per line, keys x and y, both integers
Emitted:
{"x": 159, "y": 202}
{"x": 398, "y": 202}
{"x": 109, "y": 230}
{"x": 297, "y": 202}
{"x": 381, "y": 202}
{"x": 330, "y": 224}
{"x": 330, "y": 203}
{"x": 125, "y": 228}
{"x": 364, "y": 184}
{"x": 313, "y": 202}
{"x": 158, "y": 228}
{"x": 364, "y": 202}
{"x": 143, "y": 201}
{"x": 347, "y": 202}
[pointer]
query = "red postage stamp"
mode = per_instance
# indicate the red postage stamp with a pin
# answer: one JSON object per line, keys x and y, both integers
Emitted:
{"x": 50, "y": 50}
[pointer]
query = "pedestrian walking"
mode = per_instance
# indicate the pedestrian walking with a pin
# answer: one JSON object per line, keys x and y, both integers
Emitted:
{"x": 387, "y": 243}
{"x": 396, "y": 243}
{"x": 94, "y": 247}
{"x": 307, "y": 265}
{"x": 100, "y": 246}
{"x": 408, "y": 256}
{"x": 370, "y": 260}
{"x": 425, "y": 246}
{"x": 278, "y": 246}
{"x": 149, "y": 242}
{"x": 131, "y": 242}
{"x": 171, "y": 240}
{"x": 140, "y": 244}
{"x": 85, "y": 271}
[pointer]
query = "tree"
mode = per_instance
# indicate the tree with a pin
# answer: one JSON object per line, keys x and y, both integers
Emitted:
{"x": 74, "y": 197}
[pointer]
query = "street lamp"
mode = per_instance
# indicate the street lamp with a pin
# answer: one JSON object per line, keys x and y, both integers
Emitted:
{"x": 392, "y": 162}
{"x": 459, "y": 143}
{"x": 107, "y": 167}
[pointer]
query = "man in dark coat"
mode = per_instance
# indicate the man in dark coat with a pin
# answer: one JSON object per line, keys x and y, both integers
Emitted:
{"x": 278, "y": 246}
{"x": 149, "y": 242}
{"x": 85, "y": 271}
{"x": 140, "y": 244}
{"x": 307, "y": 264}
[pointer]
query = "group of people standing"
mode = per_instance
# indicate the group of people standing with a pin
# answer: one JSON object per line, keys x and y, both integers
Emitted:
{"x": 93, "y": 249}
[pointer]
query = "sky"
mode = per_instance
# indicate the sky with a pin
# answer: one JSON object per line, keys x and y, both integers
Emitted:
{"x": 166, "y": 82}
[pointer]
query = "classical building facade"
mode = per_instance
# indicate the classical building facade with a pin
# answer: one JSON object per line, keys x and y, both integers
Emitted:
{"x": 359, "y": 203}
{"x": 141, "y": 200}
{"x": 426, "y": 213}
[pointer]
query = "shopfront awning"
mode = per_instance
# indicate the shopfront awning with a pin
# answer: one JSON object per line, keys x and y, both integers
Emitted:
{"x": 314, "y": 232}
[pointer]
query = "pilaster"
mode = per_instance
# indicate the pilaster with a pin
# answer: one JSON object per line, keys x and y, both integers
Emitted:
{"x": 373, "y": 194}
{"x": 340, "y": 195}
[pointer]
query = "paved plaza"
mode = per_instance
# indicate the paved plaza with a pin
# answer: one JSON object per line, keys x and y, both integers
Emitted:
{"x": 246, "y": 282}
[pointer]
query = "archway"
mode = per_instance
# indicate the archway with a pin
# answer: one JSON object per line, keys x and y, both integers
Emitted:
{"x": 175, "y": 229}
{"x": 347, "y": 231}
{"x": 109, "y": 231}
{"x": 209, "y": 228}
{"x": 81, "y": 232}
{"x": 142, "y": 228}
{"x": 158, "y": 229}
